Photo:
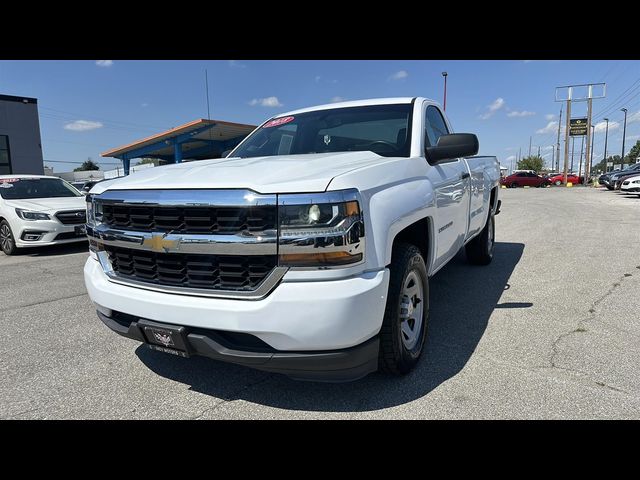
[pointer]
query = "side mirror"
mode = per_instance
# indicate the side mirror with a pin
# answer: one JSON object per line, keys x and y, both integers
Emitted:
{"x": 454, "y": 145}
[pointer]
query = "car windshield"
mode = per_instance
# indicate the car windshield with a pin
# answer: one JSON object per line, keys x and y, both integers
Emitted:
{"x": 382, "y": 129}
{"x": 27, "y": 188}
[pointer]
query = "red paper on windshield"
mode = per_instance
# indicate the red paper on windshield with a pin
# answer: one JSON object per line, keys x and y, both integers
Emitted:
{"x": 9, "y": 180}
{"x": 277, "y": 122}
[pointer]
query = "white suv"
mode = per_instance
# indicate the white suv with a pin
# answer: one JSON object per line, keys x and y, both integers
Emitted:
{"x": 37, "y": 211}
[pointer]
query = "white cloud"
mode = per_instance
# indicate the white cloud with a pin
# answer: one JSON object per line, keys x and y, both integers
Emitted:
{"x": 633, "y": 117}
{"x": 523, "y": 113}
{"x": 549, "y": 116}
{"x": 266, "y": 102}
{"x": 602, "y": 126}
{"x": 551, "y": 127}
{"x": 317, "y": 79}
{"x": 337, "y": 99}
{"x": 496, "y": 105}
{"x": 236, "y": 64}
{"x": 104, "y": 63}
{"x": 82, "y": 125}
{"x": 510, "y": 157}
{"x": 144, "y": 105}
{"x": 399, "y": 75}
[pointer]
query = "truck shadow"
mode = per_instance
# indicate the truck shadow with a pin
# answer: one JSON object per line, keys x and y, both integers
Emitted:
{"x": 462, "y": 300}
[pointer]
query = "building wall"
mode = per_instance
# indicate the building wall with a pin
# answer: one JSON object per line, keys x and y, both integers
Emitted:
{"x": 20, "y": 123}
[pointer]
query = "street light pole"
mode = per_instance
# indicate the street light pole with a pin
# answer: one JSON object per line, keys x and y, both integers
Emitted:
{"x": 606, "y": 137}
{"x": 444, "y": 104}
{"x": 593, "y": 134}
{"x": 624, "y": 134}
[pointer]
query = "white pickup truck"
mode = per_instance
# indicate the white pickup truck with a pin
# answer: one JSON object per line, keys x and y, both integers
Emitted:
{"x": 306, "y": 251}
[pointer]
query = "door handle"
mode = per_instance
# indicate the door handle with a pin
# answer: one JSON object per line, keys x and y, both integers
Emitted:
{"x": 465, "y": 175}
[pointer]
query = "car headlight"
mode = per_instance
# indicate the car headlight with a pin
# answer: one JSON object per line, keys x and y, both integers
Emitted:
{"x": 320, "y": 229}
{"x": 27, "y": 215}
{"x": 94, "y": 211}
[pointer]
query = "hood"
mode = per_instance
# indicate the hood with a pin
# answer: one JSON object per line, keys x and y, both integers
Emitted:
{"x": 49, "y": 205}
{"x": 276, "y": 174}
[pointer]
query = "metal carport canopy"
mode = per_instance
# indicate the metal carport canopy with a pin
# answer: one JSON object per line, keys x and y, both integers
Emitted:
{"x": 196, "y": 140}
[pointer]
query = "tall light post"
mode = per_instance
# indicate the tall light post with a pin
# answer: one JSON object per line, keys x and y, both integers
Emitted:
{"x": 624, "y": 134}
{"x": 593, "y": 134}
{"x": 444, "y": 104}
{"x": 606, "y": 137}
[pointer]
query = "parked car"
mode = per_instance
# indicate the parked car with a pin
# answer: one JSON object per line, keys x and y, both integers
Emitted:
{"x": 608, "y": 179}
{"x": 620, "y": 178}
{"x": 524, "y": 179}
{"x": 85, "y": 187}
{"x": 307, "y": 251}
{"x": 571, "y": 177}
{"x": 39, "y": 210}
{"x": 631, "y": 184}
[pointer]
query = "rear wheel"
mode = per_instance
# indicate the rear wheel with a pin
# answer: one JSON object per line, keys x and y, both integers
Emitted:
{"x": 7, "y": 242}
{"x": 480, "y": 249}
{"x": 558, "y": 182}
{"x": 405, "y": 318}
{"x": 514, "y": 185}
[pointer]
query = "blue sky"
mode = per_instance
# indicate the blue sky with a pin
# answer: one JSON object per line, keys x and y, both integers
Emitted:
{"x": 87, "y": 107}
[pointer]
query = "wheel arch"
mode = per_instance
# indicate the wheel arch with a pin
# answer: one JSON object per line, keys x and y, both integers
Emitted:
{"x": 420, "y": 234}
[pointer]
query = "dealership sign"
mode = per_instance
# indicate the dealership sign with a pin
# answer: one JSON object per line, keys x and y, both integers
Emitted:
{"x": 577, "y": 127}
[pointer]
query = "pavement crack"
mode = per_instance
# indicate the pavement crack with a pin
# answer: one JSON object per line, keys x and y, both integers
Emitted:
{"x": 231, "y": 397}
{"x": 42, "y": 302}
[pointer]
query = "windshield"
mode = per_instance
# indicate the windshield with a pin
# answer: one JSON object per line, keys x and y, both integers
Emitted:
{"x": 27, "y": 188}
{"x": 382, "y": 129}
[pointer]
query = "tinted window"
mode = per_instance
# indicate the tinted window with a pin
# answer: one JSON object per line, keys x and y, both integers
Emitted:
{"x": 434, "y": 125}
{"x": 14, "y": 189}
{"x": 382, "y": 129}
{"x": 521, "y": 174}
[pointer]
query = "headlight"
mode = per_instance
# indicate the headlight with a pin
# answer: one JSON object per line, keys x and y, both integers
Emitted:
{"x": 27, "y": 215}
{"x": 320, "y": 229}
{"x": 94, "y": 211}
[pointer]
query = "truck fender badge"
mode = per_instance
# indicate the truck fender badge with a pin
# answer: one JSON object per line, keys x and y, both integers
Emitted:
{"x": 444, "y": 227}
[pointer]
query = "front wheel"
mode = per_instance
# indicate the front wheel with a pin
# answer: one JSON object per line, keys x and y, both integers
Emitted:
{"x": 405, "y": 318}
{"x": 558, "y": 182}
{"x": 7, "y": 242}
{"x": 480, "y": 249}
{"x": 514, "y": 185}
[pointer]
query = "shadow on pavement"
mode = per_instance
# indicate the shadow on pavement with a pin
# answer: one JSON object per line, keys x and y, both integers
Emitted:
{"x": 462, "y": 299}
{"x": 55, "y": 250}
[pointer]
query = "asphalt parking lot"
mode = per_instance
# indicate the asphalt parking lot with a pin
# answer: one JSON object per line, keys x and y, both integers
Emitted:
{"x": 551, "y": 329}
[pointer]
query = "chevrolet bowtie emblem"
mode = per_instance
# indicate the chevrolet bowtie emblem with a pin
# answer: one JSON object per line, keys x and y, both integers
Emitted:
{"x": 158, "y": 243}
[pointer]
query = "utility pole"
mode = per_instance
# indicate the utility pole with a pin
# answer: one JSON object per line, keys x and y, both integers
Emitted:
{"x": 553, "y": 156}
{"x": 558, "y": 142}
{"x": 624, "y": 134}
{"x": 444, "y": 104}
{"x": 593, "y": 135}
{"x": 538, "y": 150}
{"x": 585, "y": 163}
{"x": 529, "y": 145}
{"x": 566, "y": 141}
{"x": 573, "y": 147}
{"x": 606, "y": 137}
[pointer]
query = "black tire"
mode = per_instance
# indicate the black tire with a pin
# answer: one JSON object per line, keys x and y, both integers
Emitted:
{"x": 480, "y": 249}
{"x": 558, "y": 182}
{"x": 395, "y": 357}
{"x": 514, "y": 185}
{"x": 7, "y": 241}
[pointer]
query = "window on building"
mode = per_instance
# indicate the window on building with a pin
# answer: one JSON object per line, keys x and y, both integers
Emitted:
{"x": 5, "y": 158}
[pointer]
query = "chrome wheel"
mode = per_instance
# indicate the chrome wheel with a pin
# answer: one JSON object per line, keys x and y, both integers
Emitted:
{"x": 411, "y": 310}
{"x": 6, "y": 241}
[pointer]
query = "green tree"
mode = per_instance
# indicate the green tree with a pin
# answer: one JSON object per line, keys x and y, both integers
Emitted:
{"x": 146, "y": 160}
{"x": 600, "y": 166}
{"x": 533, "y": 162}
{"x": 633, "y": 154}
{"x": 88, "y": 164}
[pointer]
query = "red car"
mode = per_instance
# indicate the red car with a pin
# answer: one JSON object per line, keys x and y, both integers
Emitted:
{"x": 557, "y": 179}
{"x": 524, "y": 179}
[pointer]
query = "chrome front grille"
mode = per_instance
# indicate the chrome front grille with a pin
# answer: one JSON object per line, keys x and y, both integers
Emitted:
{"x": 220, "y": 243}
{"x": 222, "y": 272}
{"x": 225, "y": 220}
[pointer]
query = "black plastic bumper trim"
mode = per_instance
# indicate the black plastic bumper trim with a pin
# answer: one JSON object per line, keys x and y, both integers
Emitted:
{"x": 323, "y": 366}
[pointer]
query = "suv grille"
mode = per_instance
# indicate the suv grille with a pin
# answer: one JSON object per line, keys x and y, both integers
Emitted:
{"x": 217, "y": 272}
{"x": 218, "y": 220}
{"x": 73, "y": 217}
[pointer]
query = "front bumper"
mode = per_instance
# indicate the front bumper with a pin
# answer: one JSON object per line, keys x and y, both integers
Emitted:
{"x": 52, "y": 233}
{"x": 630, "y": 189}
{"x": 295, "y": 316}
{"x": 329, "y": 366}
